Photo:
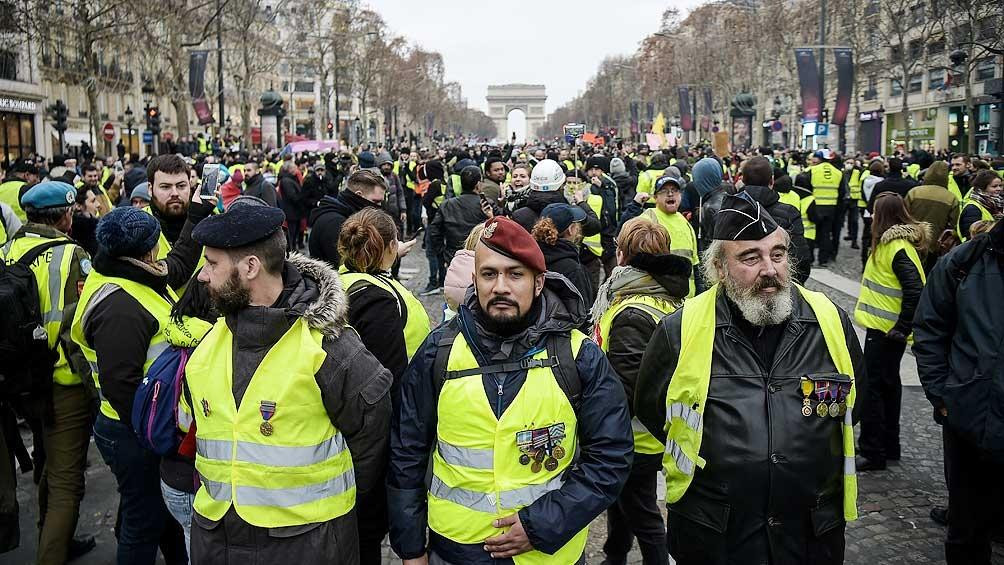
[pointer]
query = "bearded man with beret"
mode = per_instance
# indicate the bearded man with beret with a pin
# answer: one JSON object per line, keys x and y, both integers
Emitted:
{"x": 524, "y": 421}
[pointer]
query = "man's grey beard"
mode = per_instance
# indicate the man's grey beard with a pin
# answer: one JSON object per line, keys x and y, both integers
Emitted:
{"x": 759, "y": 309}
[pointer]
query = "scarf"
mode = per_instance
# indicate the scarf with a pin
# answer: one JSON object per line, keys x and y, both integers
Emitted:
{"x": 994, "y": 203}
{"x": 628, "y": 281}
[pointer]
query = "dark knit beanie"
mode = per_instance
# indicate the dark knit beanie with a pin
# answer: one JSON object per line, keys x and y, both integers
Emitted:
{"x": 128, "y": 232}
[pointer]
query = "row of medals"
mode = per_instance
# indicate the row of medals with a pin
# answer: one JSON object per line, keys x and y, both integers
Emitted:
{"x": 548, "y": 452}
{"x": 835, "y": 409}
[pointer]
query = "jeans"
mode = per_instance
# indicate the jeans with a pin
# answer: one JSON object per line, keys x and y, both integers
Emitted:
{"x": 179, "y": 505}
{"x": 883, "y": 393}
{"x": 437, "y": 268}
{"x": 143, "y": 522}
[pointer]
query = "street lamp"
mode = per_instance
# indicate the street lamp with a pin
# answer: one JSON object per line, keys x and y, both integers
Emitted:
{"x": 129, "y": 123}
{"x": 310, "y": 112}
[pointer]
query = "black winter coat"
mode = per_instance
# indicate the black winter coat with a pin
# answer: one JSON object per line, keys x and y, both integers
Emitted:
{"x": 453, "y": 223}
{"x": 771, "y": 490}
{"x": 563, "y": 258}
{"x": 789, "y": 218}
{"x": 313, "y": 191}
{"x": 894, "y": 182}
{"x": 528, "y": 215}
{"x": 627, "y": 186}
{"x": 326, "y": 223}
{"x": 957, "y": 333}
{"x": 291, "y": 201}
{"x": 604, "y": 434}
{"x": 259, "y": 187}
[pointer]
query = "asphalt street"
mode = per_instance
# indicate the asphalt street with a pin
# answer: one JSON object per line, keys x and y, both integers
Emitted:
{"x": 894, "y": 525}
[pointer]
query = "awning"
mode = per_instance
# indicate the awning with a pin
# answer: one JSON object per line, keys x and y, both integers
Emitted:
{"x": 71, "y": 137}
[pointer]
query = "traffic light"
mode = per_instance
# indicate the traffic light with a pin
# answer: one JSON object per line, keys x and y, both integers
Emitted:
{"x": 153, "y": 119}
{"x": 59, "y": 113}
{"x": 331, "y": 129}
{"x": 826, "y": 116}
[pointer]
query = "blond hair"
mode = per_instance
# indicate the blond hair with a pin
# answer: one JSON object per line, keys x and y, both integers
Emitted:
{"x": 641, "y": 235}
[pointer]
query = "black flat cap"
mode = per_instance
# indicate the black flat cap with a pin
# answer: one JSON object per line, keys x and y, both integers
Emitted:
{"x": 239, "y": 226}
{"x": 742, "y": 218}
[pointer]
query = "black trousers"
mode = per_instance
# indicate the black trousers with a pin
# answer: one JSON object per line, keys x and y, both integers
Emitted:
{"x": 866, "y": 239}
{"x": 976, "y": 501}
{"x": 825, "y": 242}
{"x": 883, "y": 394}
{"x": 636, "y": 514}
{"x": 852, "y": 220}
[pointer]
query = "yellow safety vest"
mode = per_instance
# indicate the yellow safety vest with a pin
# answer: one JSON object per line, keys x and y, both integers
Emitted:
{"x": 569, "y": 165}
{"x": 457, "y": 186}
{"x": 164, "y": 248}
{"x": 682, "y": 240}
{"x": 881, "y": 298}
{"x": 409, "y": 181}
{"x": 416, "y": 327}
{"x": 688, "y": 392}
{"x": 646, "y": 180}
{"x": 809, "y": 225}
{"x": 485, "y": 468}
{"x": 10, "y": 194}
{"x": 913, "y": 170}
{"x": 592, "y": 242}
{"x": 3, "y": 232}
{"x": 52, "y": 269}
{"x": 188, "y": 333}
{"x": 857, "y": 178}
{"x": 826, "y": 184}
{"x": 953, "y": 187}
{"x": 276, "y": 459}
{"x": 97, "y": 288}
{"x": 644, "y": 442}
{"x": 790, "y": 198}
{"x": 985, "y": 216}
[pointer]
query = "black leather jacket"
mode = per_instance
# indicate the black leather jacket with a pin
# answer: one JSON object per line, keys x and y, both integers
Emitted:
{"x": 771, "y": 491}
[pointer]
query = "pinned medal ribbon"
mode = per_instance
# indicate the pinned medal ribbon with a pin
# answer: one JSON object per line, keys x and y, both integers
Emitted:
{"x": 267, "y": 409}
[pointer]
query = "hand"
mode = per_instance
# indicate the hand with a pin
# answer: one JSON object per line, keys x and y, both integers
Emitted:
{"x": 896, "y": 335}
{"x": 642, "y": 197}
{"x": 486, "y": 209}
{"x": 596, "y": 181}
{"x": 199, "y": 199}
{"x": 943, "y": 411}
{"x": 404, "y": 247}
{"x": 423, "y": 560}
{"x": 513, "y": 542}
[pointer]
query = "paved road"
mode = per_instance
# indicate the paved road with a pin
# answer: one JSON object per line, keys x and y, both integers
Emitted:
{"x": 894, "y": 527}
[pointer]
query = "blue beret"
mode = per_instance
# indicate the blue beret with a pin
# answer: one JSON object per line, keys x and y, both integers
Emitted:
{"x": 239, "y": 226}
{"x": 49, "y": 194}
{"x": 128, "y": 232}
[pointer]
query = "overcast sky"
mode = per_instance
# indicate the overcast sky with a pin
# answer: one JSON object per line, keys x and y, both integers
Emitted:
{"x": 486, "y": 43}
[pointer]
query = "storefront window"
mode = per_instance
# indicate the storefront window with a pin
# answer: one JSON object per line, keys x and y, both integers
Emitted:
{"x": 17, "y": 135}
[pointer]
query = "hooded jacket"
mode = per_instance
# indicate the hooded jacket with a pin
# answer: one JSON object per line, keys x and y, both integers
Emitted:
{"x": 789, "y": 218}
{"x": 355, "y": 392}
{"x": 932, "y": 203}
{"x": 604, "y": 428}
{"x": 292, "y": 201}
{"x": 258, "y": 186}
{"x": 326, "y": 222}
{"x": 563, "y": 258}
{"x": 529, "y": 213}
{"x": 956, "y": 342}
{"x": 667, "y": 278}
{"x": 918, "y": 235}
{"x": 771, "y": 490}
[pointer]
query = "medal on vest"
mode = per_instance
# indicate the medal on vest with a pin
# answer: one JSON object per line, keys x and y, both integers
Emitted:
{"x": 806, "y": 403}
{"x": 834, "y": 407}
{"x": 845, "y": 391}
{"x": 205, "y": 408}
{"x": 524, "y": 441}
{"x": 555, "y": 433}
{"x": 267, "y": 409}
{"x": 822, "y": 393}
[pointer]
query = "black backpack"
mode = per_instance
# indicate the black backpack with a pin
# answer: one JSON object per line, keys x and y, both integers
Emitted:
{"x": 559, "y": 358}
{"x": 25, "y": 358}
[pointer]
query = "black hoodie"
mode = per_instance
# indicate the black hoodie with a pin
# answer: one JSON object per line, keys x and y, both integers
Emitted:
{"x": 326, "y": 222}
{"x": 563, "y": 258}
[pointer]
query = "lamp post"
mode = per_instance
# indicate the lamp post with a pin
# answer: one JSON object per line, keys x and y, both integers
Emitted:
{"x": 229, "y": 123}
{"x": 310, "y": 112}
{"x": 129, "y": 123}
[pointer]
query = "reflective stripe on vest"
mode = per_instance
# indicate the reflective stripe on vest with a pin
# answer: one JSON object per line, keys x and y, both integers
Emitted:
{"x": 644, "y": 442}
{"x": 807, "y": 224}
{"x": 825, "y": 184}
{"x": 682, "y": 240}
{"x": 98, "y": 287}
{"x": 298, "y": 469}
{"x": 51, "y": 269}
{"x": 416, "y": 327}
{"x": 477, "y": 472}
{"x": 689, "y": 384}
{"x": 593, "y": 243}
{"x": 881, "y": 298}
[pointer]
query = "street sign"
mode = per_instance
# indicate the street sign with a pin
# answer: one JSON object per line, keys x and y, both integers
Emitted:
{"x": 147, "y": 136}
{"x": 108, "y": 131}
{"x": 822, "y": 129}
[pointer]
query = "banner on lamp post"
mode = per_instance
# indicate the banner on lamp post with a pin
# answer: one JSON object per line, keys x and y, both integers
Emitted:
{"x": 845, "y": 84}
{"x": 197, "y": 86}
{"x": 686, "y": 116}
{"x": 808, "y": 80}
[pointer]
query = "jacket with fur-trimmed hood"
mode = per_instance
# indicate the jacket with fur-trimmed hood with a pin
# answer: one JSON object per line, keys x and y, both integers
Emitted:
{"x": 910, "y": 277}
{"x": 354, "y": 389}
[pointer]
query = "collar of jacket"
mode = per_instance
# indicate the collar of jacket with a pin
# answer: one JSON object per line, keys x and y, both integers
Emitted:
{"x": 134, "y": 270}
{"x": 352, "y": 200}
{"x": 43, "y": 230}
{"x": 918, "y": 234}
{"x": 765, "y": 195}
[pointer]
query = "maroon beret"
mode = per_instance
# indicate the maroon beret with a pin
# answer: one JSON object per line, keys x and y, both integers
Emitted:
{"x": 505, "y": 236}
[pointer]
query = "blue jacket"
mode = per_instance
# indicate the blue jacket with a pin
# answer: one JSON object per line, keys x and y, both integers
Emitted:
{"x": 591, "y": 484}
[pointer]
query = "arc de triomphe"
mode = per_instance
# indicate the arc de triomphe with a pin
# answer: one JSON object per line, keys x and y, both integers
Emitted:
{"x": 504, "y": 98}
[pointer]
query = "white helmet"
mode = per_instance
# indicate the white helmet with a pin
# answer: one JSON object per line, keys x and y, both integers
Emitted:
{"x": 547, "y": 176}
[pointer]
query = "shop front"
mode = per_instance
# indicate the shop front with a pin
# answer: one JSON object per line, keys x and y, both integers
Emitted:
{"x": 870, "y": 131}
{"x": 17, "y": 127}
{"x": 958, "y": 130}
